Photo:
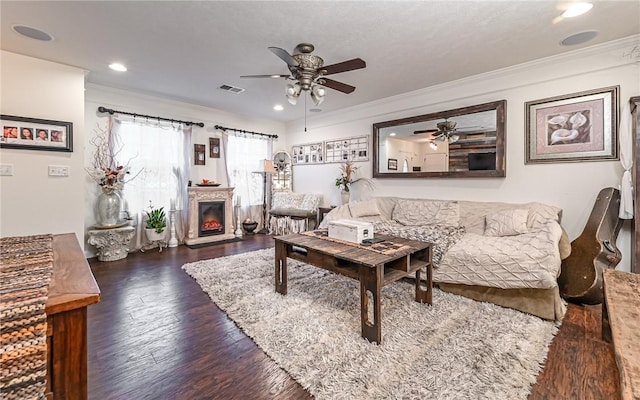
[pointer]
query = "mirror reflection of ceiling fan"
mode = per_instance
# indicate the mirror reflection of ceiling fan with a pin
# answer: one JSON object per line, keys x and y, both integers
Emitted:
{"x": 308, "y": 72}
{"x": 446, "y": 130}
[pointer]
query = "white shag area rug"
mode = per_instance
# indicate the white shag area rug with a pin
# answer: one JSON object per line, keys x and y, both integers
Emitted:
{"x": 455, "y": 349}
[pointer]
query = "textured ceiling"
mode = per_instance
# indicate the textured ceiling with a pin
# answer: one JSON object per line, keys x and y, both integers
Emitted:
{"x": 186, "y": 50}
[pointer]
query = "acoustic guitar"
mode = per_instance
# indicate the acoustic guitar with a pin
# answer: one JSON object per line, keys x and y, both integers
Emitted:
{"x": 580, "y": 279}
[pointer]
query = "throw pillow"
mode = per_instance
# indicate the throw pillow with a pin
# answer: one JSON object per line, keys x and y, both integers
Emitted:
{"x": 426, "y": 212}
{"x": 507, "y": 223}
{"x": 364, "y": 208}
{"x": 310, "y": 202}
{"x": 286, "y": 200}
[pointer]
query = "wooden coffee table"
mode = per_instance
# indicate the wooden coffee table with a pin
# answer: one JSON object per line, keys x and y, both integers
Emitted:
{"x": 372, "y": 269}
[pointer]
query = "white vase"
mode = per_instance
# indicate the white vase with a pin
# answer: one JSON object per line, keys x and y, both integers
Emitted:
{"x": 108, "y": 208}
{"x": 154, "y": 236}
{"x": 344, "y": 197}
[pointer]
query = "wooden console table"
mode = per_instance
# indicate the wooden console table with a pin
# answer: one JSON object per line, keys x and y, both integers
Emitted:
{"x": 71, "y": 290}
{"x": 621, "y": 325}
{"x": 372, "y": 269}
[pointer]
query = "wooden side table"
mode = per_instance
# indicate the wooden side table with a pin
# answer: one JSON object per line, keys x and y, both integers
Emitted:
{"x": 112, "y": 244}
{"x": 322, "y": 211}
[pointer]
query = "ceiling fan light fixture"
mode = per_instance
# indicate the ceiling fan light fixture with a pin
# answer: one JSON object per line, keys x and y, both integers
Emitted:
{"x": 293, "y": 90}
{"x": 317, "y": 94}
{"x": 453, "y": 138}
{"x": 292, "y": 100}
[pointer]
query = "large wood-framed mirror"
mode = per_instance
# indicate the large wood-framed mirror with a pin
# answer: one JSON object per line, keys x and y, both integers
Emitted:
{"x": 465, "y": 142}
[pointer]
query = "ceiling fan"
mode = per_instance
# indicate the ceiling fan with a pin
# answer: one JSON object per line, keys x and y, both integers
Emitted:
{"x": 308, "y": 72}
{"x": 446, "y": 130}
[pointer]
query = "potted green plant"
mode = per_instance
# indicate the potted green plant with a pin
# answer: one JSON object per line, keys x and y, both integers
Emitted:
{"x": 156, "y": 223}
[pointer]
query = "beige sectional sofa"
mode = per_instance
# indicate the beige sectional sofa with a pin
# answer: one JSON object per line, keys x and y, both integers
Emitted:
{"x": 507, "y": 254}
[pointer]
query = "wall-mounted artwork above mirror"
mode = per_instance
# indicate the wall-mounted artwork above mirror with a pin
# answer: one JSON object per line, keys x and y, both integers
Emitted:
{"x": 465, "y": 142}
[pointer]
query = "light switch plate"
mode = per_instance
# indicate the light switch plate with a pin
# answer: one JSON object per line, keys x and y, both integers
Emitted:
{"x": 6, "y": 169}
{"x": 58, "y": 170}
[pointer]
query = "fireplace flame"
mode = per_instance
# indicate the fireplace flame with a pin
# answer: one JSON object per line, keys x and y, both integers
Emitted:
{"x": 211, "y": 225}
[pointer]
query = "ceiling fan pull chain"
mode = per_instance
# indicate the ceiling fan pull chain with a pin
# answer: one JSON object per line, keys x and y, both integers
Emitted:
{"x": 305, "y": 113}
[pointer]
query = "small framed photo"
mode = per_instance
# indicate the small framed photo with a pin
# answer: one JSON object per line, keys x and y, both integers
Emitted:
{"x": 392, "y": 164}
{"x": 35, "y": 134}
{"x": 214, "y": 148}
{"x": 576, "y": 127}
{"x": 198, "y": 154}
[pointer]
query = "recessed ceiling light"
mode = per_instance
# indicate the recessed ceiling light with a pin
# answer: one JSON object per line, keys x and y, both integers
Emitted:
{"x": 576, "y": 9}
{"x": 117, "y": 67}
{"x": 32, "y": 33}
{"x": 579, "y": 38}
{"x": 392, "y": 134}
{"x": 278, "y": 107}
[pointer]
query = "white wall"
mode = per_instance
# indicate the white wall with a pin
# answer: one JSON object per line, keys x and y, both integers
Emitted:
{"x": 31, "y": 202}
{"x": 150, "y": 105}
{"x": 571, "y": 186}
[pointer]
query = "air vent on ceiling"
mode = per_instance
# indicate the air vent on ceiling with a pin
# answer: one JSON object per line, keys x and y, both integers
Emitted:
{"x": 232, "y": 89}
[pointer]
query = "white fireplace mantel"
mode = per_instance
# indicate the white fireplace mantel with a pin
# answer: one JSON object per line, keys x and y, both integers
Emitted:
{"x": 205, "y": 193}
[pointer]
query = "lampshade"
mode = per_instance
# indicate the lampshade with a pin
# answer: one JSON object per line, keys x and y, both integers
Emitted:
{"x": 266, "y": 167}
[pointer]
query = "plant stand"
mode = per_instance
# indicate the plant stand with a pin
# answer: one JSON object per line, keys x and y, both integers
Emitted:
{"x": 155, "y": 239}
{"x": 111, "y": 244}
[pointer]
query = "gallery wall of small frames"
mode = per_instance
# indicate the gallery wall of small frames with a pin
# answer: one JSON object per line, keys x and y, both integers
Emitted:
{"x": 332, "y": 151}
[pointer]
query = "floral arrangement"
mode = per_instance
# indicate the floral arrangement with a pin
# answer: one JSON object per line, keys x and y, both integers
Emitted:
{"x": 106, "y": 170}
{"x": 110, "y": 179}
{"x": 347, "y": 171}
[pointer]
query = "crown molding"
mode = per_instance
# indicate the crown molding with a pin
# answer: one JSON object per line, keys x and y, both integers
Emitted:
{"x": 608, "y": 55}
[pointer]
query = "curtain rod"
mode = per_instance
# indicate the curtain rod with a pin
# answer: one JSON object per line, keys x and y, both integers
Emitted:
{"x": 111, "y": 111}
{"x": 243, "y": 131}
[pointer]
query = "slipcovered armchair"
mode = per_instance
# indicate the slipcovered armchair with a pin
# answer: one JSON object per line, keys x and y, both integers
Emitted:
{"x": 293, "y": 212}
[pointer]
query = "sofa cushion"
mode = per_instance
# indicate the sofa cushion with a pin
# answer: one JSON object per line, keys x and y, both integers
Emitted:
{"x": 364, "y": 208}
{"x": 473, "y": 213}
{"x": 292, "y": 212}
{"x": 426, "y": 212}
{"x": 507, "y": 223}
{"x": 441, "y": 236}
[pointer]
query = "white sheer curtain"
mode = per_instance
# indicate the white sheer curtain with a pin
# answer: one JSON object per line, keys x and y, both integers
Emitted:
{"x": 242, "y": 154}
{"x": 160, "y": 153}
{"x": 626, "y": 159}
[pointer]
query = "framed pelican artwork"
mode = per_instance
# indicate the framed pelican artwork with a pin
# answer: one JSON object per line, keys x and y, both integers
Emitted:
{"x": 576, "y": 127}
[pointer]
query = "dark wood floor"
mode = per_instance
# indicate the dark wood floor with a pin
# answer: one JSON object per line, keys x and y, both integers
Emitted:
{"x": 156, "y": 335}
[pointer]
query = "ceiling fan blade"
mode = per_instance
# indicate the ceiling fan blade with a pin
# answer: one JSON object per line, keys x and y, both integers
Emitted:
{"x": 284, "y": 56}
{"x": 425, "y": 131}
{"x": 265, "y": 76}
{"x": 335, "y": 85}
{"x": 344, "y": 66}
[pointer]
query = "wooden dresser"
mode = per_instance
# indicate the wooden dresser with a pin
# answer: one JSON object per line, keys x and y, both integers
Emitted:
{"x": 72, "y": 289}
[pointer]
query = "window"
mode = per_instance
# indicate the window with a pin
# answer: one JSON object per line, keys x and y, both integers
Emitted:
{"x": 160, "y": 155}
{"x": 243, "y": 156}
